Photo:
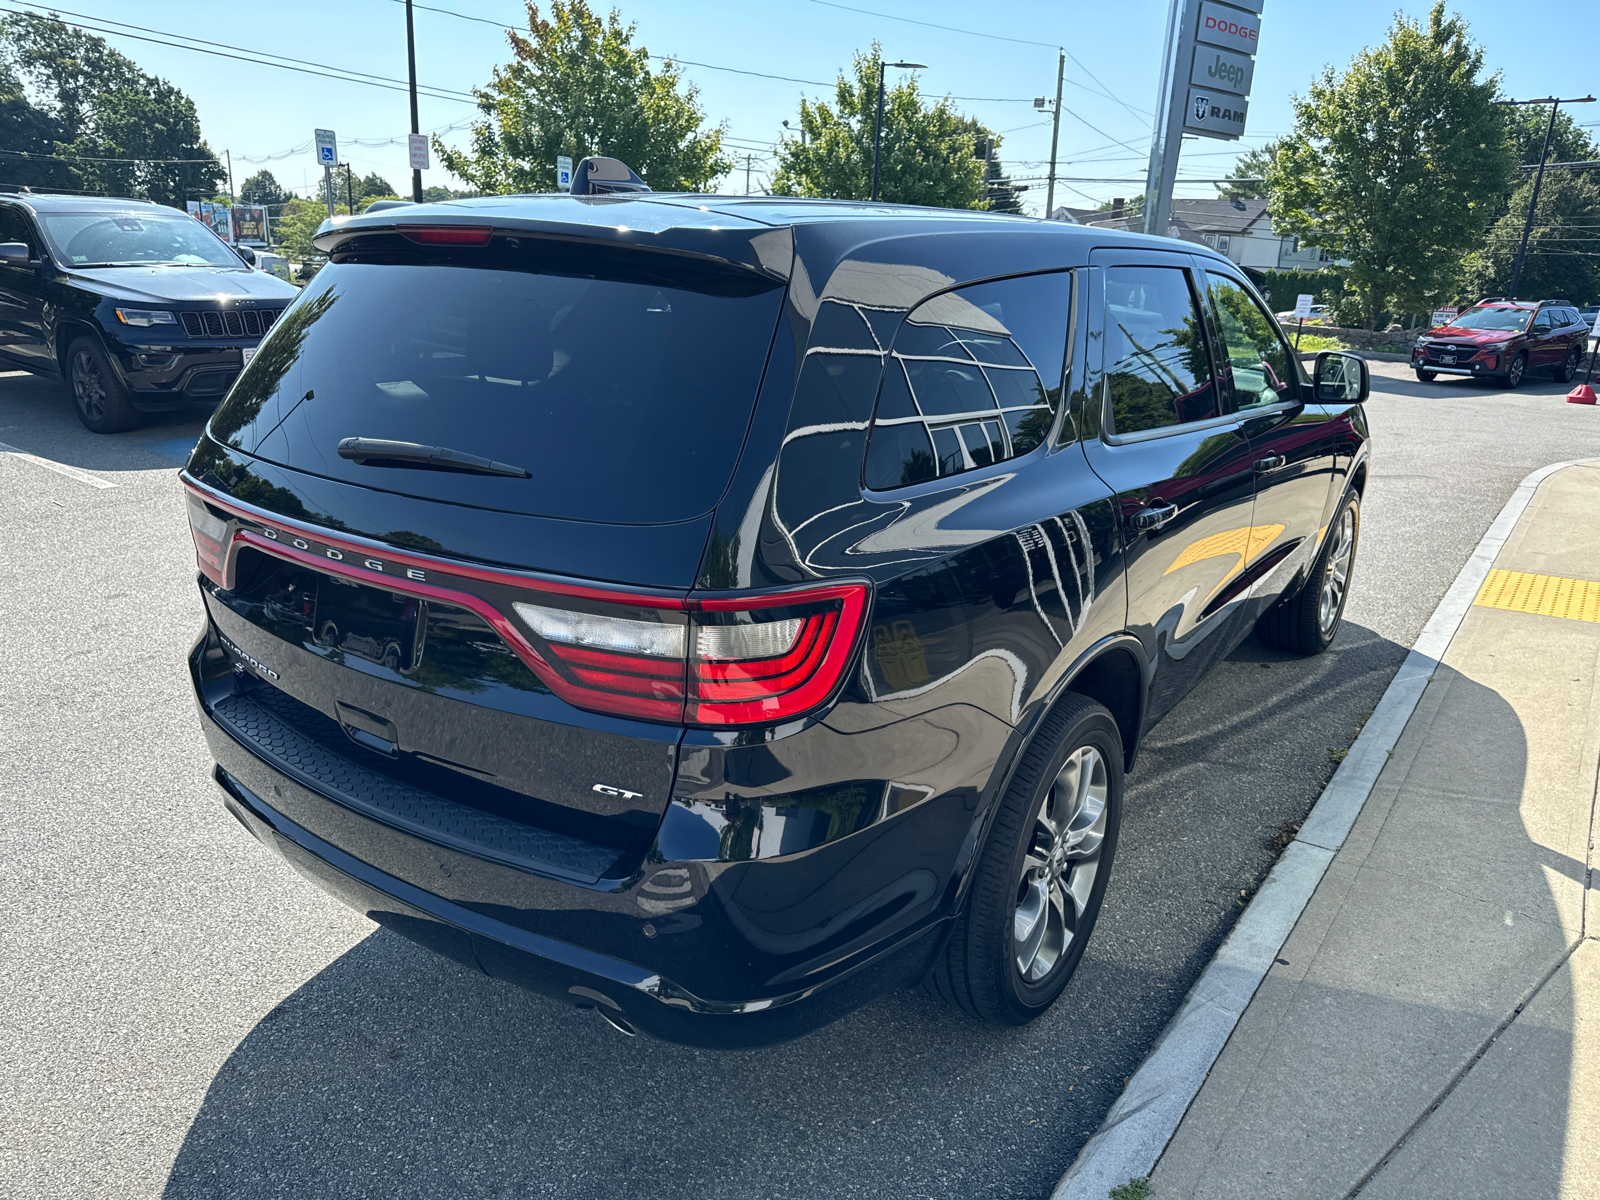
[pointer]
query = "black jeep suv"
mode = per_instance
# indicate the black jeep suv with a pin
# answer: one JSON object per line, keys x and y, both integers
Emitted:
{"x": 716, "y": 611}
{"x": 139, "y": 307}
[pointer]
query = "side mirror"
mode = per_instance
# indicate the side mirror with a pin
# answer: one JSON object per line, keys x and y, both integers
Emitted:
{"x": 247, "y": 254}
{"x": 1341, "y": 378}
{"x": 15, "y": 253}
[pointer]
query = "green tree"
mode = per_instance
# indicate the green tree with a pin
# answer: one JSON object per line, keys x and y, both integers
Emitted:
{"x": 1397, "y": 164}
{"x": 1248, "y": 177}
{"x": 262, "y": 188}
{"x": 1568, "y": 143}
{"x": 927, "y": 153}
{"x": 116, "y": 129}
{"x": 578, "y": 86}
{"x": 295, "y": 226}
{"x": 1560, "y": 259}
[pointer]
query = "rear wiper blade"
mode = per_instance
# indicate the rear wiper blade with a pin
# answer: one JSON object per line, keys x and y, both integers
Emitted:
{"x": 379, "y": 452}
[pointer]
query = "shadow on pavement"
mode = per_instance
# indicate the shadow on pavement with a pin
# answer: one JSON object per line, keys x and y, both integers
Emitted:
{"x": 36, "y": 415}
{"x": 396, "y": 1072}
{"x": 1425, "y": 936}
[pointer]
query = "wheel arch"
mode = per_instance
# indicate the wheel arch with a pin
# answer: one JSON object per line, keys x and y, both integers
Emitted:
{"x": 68, "y": 331}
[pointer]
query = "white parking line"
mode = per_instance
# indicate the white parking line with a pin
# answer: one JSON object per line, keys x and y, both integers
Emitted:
{"x": 58, "y": 468}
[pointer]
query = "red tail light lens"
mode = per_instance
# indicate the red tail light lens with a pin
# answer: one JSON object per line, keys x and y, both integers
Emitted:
{"x": 726, "y": 661}
{"x": 447, "y": 235}
{"x": 210, "y": 539}
{"x": 772, "y": 658}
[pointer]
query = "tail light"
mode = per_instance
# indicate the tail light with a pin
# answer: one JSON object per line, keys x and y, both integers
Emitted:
{"x": 209, "y": 532}
{"x": 447, "y": 235}
{"x": 711, "y": 662}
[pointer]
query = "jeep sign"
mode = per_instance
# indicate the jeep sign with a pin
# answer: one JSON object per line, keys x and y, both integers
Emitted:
{"x": 1214, "y": 114}
{"x": 1221, "y": 71}
{"x": 1229, "y": 28}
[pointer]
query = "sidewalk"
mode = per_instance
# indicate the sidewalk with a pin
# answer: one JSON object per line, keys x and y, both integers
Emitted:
{"x": 1431, "y": 1027}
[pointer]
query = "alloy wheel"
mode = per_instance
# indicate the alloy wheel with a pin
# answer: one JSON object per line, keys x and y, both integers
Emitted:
{"x": 1337, "y": 575}
{"x": 1514, "y": 371}
{"x": 88, "y": 388}
{"x": 1060, "y": 866}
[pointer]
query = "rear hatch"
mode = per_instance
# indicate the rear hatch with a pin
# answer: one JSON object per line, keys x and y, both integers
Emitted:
{"x": 487, "y": 374}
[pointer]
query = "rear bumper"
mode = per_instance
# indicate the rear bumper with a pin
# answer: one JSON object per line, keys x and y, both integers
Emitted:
{"x": 500, "y": 920}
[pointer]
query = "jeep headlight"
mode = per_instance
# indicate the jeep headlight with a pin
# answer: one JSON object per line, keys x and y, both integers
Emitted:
{"x": 145, "y": 316}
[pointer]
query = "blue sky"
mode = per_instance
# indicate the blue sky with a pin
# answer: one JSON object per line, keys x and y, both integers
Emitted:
{"x": 264, "y": 115}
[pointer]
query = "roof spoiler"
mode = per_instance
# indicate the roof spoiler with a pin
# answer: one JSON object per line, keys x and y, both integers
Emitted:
{"x": 604, "y": 177}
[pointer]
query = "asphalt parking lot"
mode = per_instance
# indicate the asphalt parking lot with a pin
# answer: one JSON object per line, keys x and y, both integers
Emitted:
{"x": 185, "y": 1017}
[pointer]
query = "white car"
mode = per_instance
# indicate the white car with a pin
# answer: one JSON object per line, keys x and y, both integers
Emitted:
{"x": 1319, "y": 315}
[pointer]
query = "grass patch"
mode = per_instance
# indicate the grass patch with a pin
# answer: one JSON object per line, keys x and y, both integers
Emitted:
{"x": 1319, "y": 341}
{"x": 1338, "y": 756}
{"x": 1137, "y": 1188}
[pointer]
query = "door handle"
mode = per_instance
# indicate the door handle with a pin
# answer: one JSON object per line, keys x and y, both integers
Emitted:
{"x": 1154, "y": 518}
{"x": 1271, "y": 462}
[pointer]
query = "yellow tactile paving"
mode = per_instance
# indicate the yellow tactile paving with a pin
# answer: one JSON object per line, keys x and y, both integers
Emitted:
{"x": 1543, "y": 595}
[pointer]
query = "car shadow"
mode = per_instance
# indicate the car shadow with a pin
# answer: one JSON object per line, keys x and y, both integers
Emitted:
{"x": 36, "y": 415}
{"x": 395, "y": 1072}
{"x": 1397, "y": 379}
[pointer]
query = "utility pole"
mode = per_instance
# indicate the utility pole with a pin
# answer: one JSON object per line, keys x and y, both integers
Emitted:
{"x": 229, "y": 156}
{"x": 411, "y": 66}
{"x": 749, "y": 161}
{"x": 350, "y": 188}
{"x": 1538, "y": 179}
{"x": 877, "y": 135}
{"x": 1055, "y": 137}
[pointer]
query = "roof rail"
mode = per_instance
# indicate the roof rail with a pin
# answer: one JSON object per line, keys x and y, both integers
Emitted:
{"x": 34, "y": 189}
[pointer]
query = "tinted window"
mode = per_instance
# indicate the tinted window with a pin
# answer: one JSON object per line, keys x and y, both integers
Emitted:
{"x": 1158, "y": 372}
{"x": 1259, "y": 362}
{"x": 1544, "y": 320}
{"x": 973, "y": 378}
{"x": 627, "y": 401}
{"x": 15, "y": 227}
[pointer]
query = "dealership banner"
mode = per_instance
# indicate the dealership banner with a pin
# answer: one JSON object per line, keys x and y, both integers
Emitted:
{"x": 215, "y": 217}
{"x": 249, "y": 224}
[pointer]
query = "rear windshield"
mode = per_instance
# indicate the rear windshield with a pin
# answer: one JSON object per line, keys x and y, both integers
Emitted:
{"x": 1514, "y": 319}
{"x": 625, "y": 401}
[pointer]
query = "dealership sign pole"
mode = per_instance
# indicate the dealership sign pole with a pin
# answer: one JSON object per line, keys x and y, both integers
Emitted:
{"x": 1207, "y": 69}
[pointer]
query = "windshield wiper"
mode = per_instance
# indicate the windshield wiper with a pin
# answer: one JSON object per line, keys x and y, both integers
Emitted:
{"x": 378, "y": 452}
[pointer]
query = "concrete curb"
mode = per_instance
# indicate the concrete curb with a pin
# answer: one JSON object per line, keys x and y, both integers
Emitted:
{"x": 1139, "y": 1125}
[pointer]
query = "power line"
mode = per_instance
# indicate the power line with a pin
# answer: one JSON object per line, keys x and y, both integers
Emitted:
{"x": 395, "y": 86}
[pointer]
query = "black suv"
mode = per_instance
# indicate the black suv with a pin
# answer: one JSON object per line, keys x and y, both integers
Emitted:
{"x": 1504, "y": 340}
{"x": 716, "y": 611}
{"x": 139, "y": 307}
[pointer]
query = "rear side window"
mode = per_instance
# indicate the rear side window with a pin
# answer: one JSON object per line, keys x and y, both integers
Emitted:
{"x": 1158, "y": 371}
{"x": 625, "y": 400}
{"x": 974, "y": 378}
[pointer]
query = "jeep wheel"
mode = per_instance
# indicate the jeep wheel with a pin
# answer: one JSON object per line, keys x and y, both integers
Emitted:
{"x": 98, "y": 396}
{"x": 1041, "y": 877}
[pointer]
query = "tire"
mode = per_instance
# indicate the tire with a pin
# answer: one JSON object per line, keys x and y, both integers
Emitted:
{"x": 1307, "y": 621}
{"x": 1427, "y": 376}
{"x": 98, "y": 396}
{"x": 1569, "y": 366}
{"x": 1065, "y": 797}
{"x": 1516, "y": 370}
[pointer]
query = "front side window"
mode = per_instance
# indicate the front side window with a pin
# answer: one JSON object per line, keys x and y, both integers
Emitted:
{"x": 146, "y": 237}
{"x": 973, "y": 378}
{"x": 1258, "y": 361}
{"x": 1158, "y": 371}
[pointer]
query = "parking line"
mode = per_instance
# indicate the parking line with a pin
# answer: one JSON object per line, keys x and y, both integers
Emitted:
{"x": 58, "y": 468}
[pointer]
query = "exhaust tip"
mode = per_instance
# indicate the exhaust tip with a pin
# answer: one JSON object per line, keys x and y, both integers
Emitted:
{"x": 620, "y": 1023}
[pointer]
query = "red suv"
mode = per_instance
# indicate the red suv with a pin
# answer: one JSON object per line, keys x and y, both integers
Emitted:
{"x": 1504, "y": 339}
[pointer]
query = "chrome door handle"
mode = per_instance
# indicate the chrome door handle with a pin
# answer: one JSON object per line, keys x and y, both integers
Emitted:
{"x": 1154, "y": 518}
{"x": 1271, "y": 462}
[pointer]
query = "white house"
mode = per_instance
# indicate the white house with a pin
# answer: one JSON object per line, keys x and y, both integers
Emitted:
{"x": 1239, "y": 228}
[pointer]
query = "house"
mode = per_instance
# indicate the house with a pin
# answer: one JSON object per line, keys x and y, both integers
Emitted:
{"x": 1239, "y": 228}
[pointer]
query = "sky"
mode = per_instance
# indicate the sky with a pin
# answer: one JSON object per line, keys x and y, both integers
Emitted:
{"x": 993, "y": 59}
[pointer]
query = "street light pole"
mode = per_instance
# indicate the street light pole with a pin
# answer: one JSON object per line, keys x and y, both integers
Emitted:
{"x": 877, "y": 134}
{"x": 1538, "y": 179}
{"x": 411, "y": 66}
